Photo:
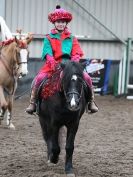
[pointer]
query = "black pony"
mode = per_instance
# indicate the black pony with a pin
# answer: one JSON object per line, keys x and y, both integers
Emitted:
{"x": 64, "y": 108}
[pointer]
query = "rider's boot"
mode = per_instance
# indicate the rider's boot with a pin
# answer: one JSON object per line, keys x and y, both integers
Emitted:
{"x": 32, "y": 106}
{"x": 92, "y": 105}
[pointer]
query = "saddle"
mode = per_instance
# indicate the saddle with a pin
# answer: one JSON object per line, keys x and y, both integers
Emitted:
{"x": 51, "y": 84}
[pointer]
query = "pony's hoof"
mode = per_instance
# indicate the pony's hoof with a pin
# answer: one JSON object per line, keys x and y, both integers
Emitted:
{"x": 50, "y": 164}
{"x": 71, "y": 175}
{"x": 11, "y": 126}
{"x": 70, "y": 172}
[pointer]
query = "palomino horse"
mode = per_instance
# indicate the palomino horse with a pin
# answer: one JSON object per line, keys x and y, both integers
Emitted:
{"x": 65, "y": 107}
{"x": 13, "y": 63}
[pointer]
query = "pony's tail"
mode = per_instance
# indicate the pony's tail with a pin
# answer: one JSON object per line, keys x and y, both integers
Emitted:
{"x": 3, "y": 102}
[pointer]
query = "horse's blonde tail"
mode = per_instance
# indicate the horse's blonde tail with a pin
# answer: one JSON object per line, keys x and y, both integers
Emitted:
{"x": 3, "y": 102}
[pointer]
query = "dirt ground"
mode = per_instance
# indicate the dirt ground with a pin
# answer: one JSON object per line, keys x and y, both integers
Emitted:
{"x": 103, "y": 145}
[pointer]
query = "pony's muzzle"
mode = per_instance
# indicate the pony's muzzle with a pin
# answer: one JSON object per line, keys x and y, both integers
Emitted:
{"x": 73, "y": 108}
{"x": 22, "y": 74}
{"x": 73, "y": 105}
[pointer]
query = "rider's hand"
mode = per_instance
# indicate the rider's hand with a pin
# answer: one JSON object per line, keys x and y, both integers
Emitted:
{"x": 76, "y": 58}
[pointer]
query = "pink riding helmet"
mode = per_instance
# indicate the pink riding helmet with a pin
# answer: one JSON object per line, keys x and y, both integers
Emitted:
{"x": 60, "y": 14}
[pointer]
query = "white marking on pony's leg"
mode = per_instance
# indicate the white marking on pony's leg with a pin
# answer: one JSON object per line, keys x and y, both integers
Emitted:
{"x": 71, "y": 175}
{"x": 48, "y": 161}
{"x": 12, "y": 126}
{"x": 8, "y": 121}
{"x": 73, "y": 103}
{"x": 1, "y": 113}
{"x": 50, "y": 164}
{"x": 8, "y": 117}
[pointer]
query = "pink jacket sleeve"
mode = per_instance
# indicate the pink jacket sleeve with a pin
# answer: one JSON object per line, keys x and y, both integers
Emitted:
{"x": 50, "y": 61}
{"x": 77, "y": 52}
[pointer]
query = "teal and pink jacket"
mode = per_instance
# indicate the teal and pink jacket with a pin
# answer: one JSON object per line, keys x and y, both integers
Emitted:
{"x": 61, "y": 47}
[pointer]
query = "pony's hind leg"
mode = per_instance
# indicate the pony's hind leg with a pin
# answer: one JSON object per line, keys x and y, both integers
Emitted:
{"x": 3, "y": 104}
{"x": 9, "y": 114}
{"x": 53, "y": 154}
{"x": 1, "y": 114}
{"x": 53, "y": 147}
{"x": 50, "y": 135}
{"x": 9, "y": 120}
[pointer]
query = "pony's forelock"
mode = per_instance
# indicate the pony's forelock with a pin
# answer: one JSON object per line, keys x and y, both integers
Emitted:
{"x": 70, "y": 69}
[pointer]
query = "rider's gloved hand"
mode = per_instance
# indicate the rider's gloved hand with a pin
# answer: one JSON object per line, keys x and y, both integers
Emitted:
{"x": 76, "y": 58}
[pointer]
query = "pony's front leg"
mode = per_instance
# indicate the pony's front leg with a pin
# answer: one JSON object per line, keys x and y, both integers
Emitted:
{"x": 71, "y": 133}
{"x": 9, "y": 113}
{"x": 3, "y": 104}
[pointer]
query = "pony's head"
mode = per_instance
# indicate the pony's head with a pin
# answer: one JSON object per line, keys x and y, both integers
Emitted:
{"x": 23, "y": 54}
{"x": 72, "y": 84}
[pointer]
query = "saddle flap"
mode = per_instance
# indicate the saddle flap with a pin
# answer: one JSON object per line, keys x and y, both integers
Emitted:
{"x": 52, "y": 84}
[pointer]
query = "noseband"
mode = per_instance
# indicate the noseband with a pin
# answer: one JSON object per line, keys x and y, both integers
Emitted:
{"x": 24, "y": 62}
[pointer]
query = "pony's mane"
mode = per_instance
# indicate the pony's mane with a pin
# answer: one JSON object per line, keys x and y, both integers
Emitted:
{"x": 70, "y": 69}
{"x": 7, "y": 42}
{"x": 22, "y": 44}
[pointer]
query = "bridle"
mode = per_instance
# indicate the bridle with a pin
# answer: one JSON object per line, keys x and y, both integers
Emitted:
{"x": 3, "y": 59}
{"x": 74, "y": 92}
{"x": 23, "y": 62}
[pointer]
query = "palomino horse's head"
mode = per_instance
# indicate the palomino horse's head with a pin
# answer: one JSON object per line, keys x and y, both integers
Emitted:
{"x": 72, "y": 84}
{"x": 22, "y": 54}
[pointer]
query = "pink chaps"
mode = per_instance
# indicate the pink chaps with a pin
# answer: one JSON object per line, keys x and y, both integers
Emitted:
{"x": 41, "y": 75}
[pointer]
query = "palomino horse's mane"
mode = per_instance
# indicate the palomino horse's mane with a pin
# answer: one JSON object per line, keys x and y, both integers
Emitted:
{"x": 7, "y": 42}
{"x": 8, "y": 57}
{"x": 22, "y": 44}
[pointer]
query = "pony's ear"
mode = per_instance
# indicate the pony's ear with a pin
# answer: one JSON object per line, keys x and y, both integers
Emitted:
{"x": 19, "y": 31}
{"x": 83, "y": 63}
{"x": 29, "y": 38}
